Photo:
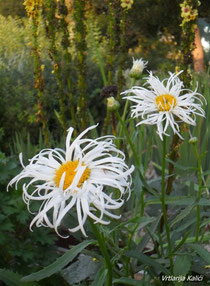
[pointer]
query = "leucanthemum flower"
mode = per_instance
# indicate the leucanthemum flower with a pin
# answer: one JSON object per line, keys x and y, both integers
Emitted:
{"x": 75, "y": 180}
{"x": 137, "y": 68}
{"x": 165, "y": 104}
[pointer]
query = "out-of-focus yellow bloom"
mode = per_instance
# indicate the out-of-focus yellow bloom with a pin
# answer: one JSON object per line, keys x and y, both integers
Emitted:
{"x": 126, "y": 4}
{"x": 32, "y": 8}
{"x": 188, "y": 13}
{"x": 177, "y": 69}
{"x": 194, "y": 28}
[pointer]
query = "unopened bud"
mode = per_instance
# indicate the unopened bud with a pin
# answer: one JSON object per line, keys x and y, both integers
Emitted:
{"x": 112, "y": 104}
{"x": 193, "y": 140}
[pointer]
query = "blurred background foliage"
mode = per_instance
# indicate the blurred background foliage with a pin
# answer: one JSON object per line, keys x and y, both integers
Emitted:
{"x": 150, "y": 34}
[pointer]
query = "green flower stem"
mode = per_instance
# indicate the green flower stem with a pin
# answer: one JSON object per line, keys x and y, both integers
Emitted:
{"x": 199, "y": 191}
{"x": 135, "y": 158}
{"x": 130, "y": 236}
{"x": 101, "y": 241}
{"x": 164, "y": 205}
{"x": 125, "y": 112}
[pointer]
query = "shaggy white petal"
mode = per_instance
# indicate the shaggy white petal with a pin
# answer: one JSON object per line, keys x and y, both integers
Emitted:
{"x": 76, "y": 180}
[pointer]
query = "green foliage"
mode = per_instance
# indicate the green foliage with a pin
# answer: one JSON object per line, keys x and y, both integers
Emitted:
{"x": 12, "y": 8}
{"x": 59, "y": 263}
{"x": 21, "y": 249}
{"x": 13, "y": 279}
{"x": 84, "y": 268}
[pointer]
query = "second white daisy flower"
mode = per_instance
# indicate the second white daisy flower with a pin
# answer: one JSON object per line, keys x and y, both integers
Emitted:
{"x": 165, "y": 103}
{"x": 138, "y": 66}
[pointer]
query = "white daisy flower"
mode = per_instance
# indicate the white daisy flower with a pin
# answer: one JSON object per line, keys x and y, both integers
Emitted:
{"x": 165, "y": 103}
{"x": 75, "y": 180}
{"x": 137, "y": 68}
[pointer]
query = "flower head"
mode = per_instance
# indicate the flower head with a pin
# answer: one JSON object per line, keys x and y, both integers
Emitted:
{"x": 137, "y": 68}
{"x": 74, "y": 180}
{"x": 188, "y": 13}
{"x": 126, "y": 4}
{"x": 32, "y": 7}
{"x": 165, "y": 103}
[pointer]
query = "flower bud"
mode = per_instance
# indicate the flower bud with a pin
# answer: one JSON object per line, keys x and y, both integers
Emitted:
{"x": 112, "y": 104}
{"x": 193, "y": 140}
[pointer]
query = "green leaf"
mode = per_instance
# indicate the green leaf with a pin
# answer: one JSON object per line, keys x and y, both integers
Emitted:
{"x": 147, "y": 260}
{"x": 128, "y": 281}
{"x": 85, "y": 267}
{"x": 178, "y": 200}
{"x": 201, "y": 251}
{"x": 59, "y": 117}
{"x": 186, "y": 224}
{"x": 13, "y": 279}
{"x": 59, "y": 263}
{"x": 182, "y": 241}
{"x": 178, "y": 166}
{"x": 207, "y": 221}
{"x": 100, "y": 277}
{"x": 146, "y": 238}
{"x": 182, "y": 265}
{"x": 205, "y": 238}
{"x": 182, "y": 215}
{"x": 141, "y": 220}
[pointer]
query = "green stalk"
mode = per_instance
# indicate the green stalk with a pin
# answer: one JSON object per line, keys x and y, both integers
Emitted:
{"x": 101, "y": 241}
{"x": 136, "y": 159}
{"x": 125, "y": 112}
{"x": 81, "y": 46}
{"x": 111, "y": 37}
{"x": 39, "y": 84}
{"x": 165, "y": 219}
{"x": 123, "y": 49}
{"x": 199, "y": 191}
{"x": 130, "y": 236}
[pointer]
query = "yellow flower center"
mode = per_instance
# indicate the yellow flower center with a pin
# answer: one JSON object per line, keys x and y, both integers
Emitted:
{"x": 69, "y": 168}
{"x": 165, "y": 102}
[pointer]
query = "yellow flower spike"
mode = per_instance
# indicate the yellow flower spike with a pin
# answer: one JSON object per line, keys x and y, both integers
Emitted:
{"x": 32, "y": 8}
